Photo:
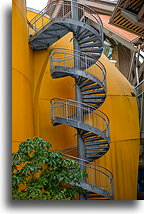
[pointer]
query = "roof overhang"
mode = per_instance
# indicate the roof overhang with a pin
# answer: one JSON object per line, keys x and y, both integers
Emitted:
{"x": 129, "y": 15}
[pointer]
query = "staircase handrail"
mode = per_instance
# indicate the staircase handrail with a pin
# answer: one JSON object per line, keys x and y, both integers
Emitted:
{"x": 95, "y": 168}
{"x": 64, "y": 10}
{"x": 69, "y": 54}
{"x": 67, "y": 109}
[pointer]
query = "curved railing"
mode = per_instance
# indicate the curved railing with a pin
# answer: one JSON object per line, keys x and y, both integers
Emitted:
{"x": 65, "y": 10}
{"x": 65, "y": 58}
{"x": 67, "y": 109}
{"x": 99, "y": 176}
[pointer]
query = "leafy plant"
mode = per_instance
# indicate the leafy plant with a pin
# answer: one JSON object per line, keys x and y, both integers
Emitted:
{"x": 41, "y": 174}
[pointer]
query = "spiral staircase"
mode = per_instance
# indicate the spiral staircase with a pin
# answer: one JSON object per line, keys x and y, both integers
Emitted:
{"x": 47, "y": 27}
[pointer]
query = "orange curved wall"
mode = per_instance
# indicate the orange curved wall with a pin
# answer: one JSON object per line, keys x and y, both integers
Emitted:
{"x": 22, "y": 76}
{"x": 33, "y": 88}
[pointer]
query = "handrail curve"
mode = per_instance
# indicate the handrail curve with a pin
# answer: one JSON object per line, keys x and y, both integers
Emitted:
{"x": 65, "y": 10}
{"x": 100, "y": 176}
{"x": 91, "y": 116}
{"x": 65, "y": 57}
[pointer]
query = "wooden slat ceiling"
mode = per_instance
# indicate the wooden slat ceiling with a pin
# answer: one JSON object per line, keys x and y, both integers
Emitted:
{"x": 129, "y": 15}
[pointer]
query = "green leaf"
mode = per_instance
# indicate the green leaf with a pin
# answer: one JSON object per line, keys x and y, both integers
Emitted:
{"x": 44, "y": 173}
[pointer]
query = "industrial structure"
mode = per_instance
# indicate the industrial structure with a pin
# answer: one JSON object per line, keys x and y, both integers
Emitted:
{"x": 65, "y": 58}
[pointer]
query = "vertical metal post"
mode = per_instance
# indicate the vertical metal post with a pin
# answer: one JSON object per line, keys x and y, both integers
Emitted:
{"x": 65, "y": 59}
{"x": 52, "y": 110}
{"x": 81, "y": 149}
{"x": 66, "y": 111}
{"x": 141, "y": 113}
{"x": 137, "y": 60}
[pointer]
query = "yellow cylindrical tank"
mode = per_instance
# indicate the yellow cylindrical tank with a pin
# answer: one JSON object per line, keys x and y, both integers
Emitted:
{"x": 22, "y": 77}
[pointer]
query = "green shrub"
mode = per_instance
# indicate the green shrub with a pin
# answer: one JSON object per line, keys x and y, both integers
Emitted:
{"x": 41, "y": 174}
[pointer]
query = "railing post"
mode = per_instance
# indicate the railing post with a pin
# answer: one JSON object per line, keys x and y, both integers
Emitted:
{"x": 52, "y": 110}
{"x": 66, "y": 111}
{"x": 51, "y": 64}
{"x": 81, "y": 149}
{"x": 65, "y": 59}
{"x": 89, "y": 111}
{"x": 86, "y": 62}
{"x": 84, "y": 15}
{"x": 63, "y": 10}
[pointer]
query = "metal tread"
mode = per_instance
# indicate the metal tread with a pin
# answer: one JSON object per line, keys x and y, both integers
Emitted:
{"x": 92, "y": 139}
{"x": 93, "y": 92}
{"x": 96, "y": 147}
{"x": 93, "y": 96}
{"x": 96, "y": 143}
{"x": 95, "y": 86}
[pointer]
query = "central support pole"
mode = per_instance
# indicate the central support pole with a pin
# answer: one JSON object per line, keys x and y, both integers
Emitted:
{"x": 81, "y": 149}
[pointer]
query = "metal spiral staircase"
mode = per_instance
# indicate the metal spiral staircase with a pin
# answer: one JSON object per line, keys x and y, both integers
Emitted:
{"x": 92, "y": 125}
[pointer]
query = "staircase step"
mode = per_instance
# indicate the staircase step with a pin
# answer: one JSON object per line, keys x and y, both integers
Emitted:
{"x": 96, "y": 143}
{"x": 96, "y": 86}
{"x": 86, "y": 83}
{"x": 96, "y": 147}
{"x": 88, "y": 193}
{"x": 93, "y": 97}
{"x": 93, "y": 139}
{"x": 93, "y": 156}
{"x": 92, "y": 44}
{"x": 93, "y": 92}
{"x": 96, "y": 151}
{"x": 92, "y": 50}
{"x": 93, "y": 101}
{"x": 89, "y": 39}
{"x": 85, "y": 34}
{"x": 88, "y": 135}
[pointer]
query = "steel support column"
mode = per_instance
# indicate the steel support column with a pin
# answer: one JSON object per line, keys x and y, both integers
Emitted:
{"x": 81, "y": 149}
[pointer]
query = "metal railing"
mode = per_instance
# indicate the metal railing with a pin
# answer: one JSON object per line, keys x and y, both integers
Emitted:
{"x": 97, "y": 175}
{"x": 67, "y": 109}
{"x": 71, "y": 150}
{"x": 65, "y": 57}
{"x": 64, "y": 10}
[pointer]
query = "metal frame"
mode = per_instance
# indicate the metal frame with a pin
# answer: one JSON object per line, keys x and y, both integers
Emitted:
{"x": 75, "y": 17}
